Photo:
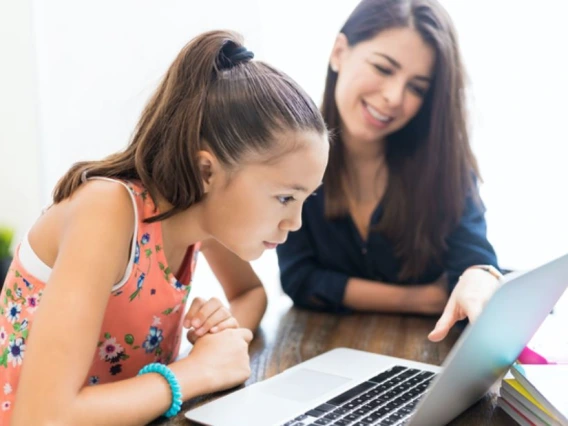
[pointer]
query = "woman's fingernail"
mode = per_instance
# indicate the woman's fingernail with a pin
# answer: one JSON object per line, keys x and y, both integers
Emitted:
{"x": 214, "y": 329}
{"x": 196, "y": 323}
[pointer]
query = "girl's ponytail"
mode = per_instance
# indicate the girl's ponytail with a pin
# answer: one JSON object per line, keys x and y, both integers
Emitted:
{"x": 213, "y": 97}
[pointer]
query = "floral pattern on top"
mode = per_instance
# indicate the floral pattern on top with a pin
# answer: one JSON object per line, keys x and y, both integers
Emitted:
{"x": 142, "y": 322}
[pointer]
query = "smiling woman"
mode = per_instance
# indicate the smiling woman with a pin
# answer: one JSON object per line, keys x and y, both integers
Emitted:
{"x": 399, "y": 222}
{"x": 378, "y": 94}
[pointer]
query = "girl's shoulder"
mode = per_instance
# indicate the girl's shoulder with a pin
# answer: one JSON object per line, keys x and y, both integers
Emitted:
{"x": 111, "y": 198}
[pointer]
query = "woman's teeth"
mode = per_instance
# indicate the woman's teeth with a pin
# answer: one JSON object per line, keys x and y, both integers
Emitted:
{"x": 376, "y": 114}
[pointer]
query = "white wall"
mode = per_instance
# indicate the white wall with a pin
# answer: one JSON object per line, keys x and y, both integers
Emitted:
{"x": 99, "y": 61}
{"x": 515, "y": 55}
{"x": 19, "y": 159}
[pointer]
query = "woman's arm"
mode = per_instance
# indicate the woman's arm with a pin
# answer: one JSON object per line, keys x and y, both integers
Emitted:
{"x": 311, "y": 285}
{"x": 468, "y": 247}
{"x": 244, "y": 291}
{"x": 427, "y": 299}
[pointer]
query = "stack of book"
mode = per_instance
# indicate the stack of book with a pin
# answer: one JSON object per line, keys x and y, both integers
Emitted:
{"x": 536, "y": 394}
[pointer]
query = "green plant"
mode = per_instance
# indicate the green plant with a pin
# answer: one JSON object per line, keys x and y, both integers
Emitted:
{"x": 6, "y": 236}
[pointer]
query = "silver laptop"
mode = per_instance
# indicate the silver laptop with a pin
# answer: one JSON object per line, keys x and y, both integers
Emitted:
{"x": 349, "y": 387}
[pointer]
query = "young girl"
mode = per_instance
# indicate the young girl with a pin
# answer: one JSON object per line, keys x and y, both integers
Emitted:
{"x": 398, "y": 225}
{"x": 225, "y": 153}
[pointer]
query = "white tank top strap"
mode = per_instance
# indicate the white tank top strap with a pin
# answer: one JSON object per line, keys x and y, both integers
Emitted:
{"x": 31, "y": 262}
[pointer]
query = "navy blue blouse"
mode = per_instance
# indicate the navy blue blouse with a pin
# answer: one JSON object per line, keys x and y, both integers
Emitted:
{"x": 317, "y": 261}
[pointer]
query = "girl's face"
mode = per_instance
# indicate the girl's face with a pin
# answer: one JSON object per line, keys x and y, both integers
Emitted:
{"x": 381, "y": 82}
{"x": 255, "y": 207}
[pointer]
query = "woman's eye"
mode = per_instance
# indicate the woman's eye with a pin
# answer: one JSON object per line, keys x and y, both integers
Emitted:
{"x": 383, "y": 70}
{"x": 285, "y": 199}
{"x": 420, "y": 91}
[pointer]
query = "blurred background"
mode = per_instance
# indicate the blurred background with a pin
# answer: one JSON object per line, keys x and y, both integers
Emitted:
{"x": 74, "y": 76}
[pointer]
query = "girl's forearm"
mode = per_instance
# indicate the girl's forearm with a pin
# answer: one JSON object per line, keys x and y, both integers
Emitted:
{"x": 249, "y": 307}
{"x": 135, "y": 401}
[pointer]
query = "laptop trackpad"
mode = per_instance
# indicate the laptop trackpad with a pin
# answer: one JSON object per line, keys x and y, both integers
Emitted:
{"x": 304, "y": 385}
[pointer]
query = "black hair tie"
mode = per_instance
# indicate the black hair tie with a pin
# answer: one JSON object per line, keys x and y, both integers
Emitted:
{"x": 232, "y": 54}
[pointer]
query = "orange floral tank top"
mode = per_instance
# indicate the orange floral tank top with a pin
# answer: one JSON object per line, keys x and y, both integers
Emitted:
{"x": 143, "y": 317}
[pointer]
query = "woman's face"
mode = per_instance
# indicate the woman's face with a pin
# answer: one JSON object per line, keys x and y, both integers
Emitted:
{"x": 381, "y": 82}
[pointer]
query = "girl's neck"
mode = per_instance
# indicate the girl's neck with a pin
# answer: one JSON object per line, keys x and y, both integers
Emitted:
{"x": 182, "y": 229}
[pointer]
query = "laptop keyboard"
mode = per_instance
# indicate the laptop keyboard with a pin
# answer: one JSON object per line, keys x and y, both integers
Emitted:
{"x": 386, "y": 399}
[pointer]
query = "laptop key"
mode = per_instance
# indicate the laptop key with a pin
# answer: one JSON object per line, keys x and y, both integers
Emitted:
{"x": 323, "y": 421}
{"x": 381, "y": 377}
{"x": 414, "y": 392}
{"x": 314, "y": 413}
{"x": 294, "y": 421}
{"x": 371, "y": 418}
{"x": 351, "y": 393}
{"x": 396, "y": 416}
{"x": 362, "y": 411}
{"x": 409, "y": 373}
{"x": 425, "y": 375}
{"x": 366, "y": 396}
{"x": 325, "y": 407}
{"x": 341, "y": 422}
{"x": 350, "y": 405}
{"x": 352, "y": 417}
{"x": 381, "y": 412}
{"x": 332, "y": 416}
{"x": 373, "y": 404}
{"x": 412, "y": 405}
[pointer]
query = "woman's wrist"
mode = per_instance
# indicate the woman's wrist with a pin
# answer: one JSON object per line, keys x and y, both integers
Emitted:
{"x": 485, "y": 271}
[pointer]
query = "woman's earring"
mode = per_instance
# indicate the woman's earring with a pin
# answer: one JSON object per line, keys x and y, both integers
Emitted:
{"x": 334, "y": 67}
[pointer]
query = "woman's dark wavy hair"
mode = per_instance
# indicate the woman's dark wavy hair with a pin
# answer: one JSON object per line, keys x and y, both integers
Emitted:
{"x": 431, "y": 166}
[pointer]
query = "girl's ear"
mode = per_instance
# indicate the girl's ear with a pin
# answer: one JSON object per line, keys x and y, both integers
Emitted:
{"x": 208, "y": 167}
{"x": 340, "y": 49}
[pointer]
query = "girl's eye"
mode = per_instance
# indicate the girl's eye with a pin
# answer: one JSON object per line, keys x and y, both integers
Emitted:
{"x": 285, "y": 199}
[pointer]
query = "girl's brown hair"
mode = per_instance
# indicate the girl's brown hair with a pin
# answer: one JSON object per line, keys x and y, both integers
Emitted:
{"x": 212, "y": 97}
{"x": 431, "y": 166}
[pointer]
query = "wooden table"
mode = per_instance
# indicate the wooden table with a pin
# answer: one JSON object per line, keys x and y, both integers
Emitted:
{"x": 288, "y": 336}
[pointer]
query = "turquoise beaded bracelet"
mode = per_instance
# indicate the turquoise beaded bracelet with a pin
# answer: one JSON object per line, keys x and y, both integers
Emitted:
{"x": 172, "y": 381}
